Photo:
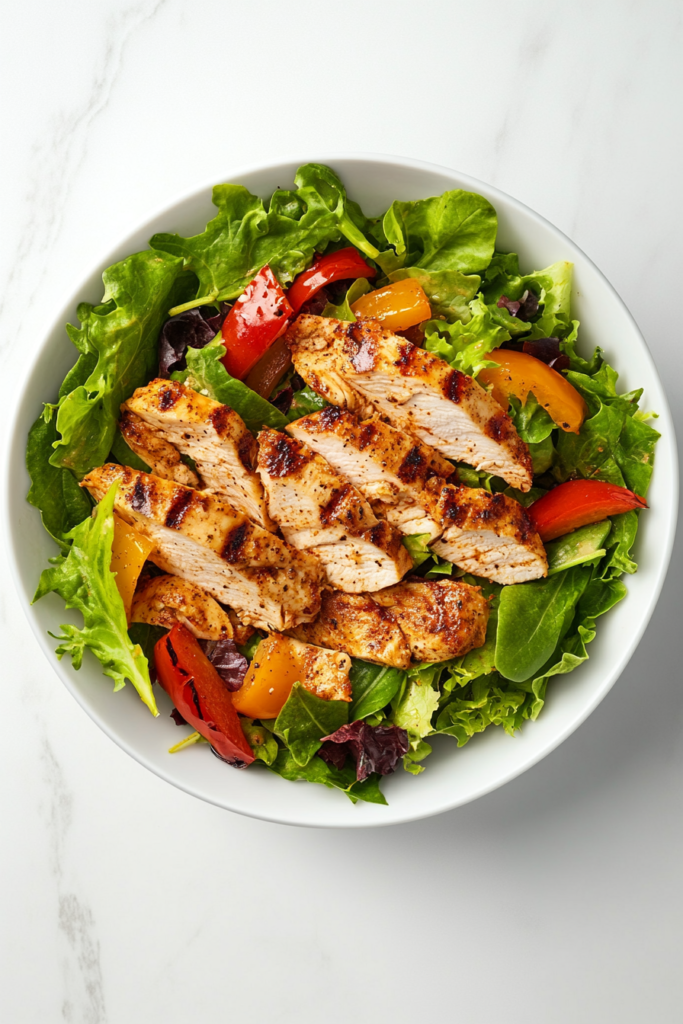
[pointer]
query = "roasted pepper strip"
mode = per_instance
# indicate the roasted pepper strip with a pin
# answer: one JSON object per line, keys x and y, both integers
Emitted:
{"x": 578, "y": 503}
{"x": 341, "y": 265}
{"x": 200, "y": 695}
{"x": 399, "y": 306}
{"x": 518, "y": 373}
{"x": 259, "y": 316}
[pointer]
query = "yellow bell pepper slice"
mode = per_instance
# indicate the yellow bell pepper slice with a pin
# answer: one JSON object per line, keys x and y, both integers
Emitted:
{"x": 129, "y": 552}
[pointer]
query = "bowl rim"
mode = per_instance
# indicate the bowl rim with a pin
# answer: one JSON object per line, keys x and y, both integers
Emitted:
{"x": 13, "y": 438}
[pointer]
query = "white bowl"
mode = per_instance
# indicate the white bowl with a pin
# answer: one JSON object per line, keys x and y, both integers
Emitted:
{"x": 452, "y": 776}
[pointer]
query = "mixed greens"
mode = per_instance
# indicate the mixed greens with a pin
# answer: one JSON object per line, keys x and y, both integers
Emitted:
{"x": 160, "y": 313}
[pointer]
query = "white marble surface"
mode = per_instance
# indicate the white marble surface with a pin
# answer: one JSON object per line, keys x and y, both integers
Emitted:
{"x": 553, "y": 900}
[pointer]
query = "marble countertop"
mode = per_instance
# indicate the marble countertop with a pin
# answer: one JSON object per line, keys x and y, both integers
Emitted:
{"x": 552, "y": 900}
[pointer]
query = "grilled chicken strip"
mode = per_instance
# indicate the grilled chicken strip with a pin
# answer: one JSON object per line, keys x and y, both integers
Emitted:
{"x": 201, "y": 538}
{"x": 440, "y": 619}
{"x": 364, "y": 367}
{"x": 213, "y": 435}
{"x": 317, "y": 510}
{"x": 160, "y": 455}
{"x": 489, "y": 535}
{"x": 165, "y": 600}
{"x": 389, "y": 466}
{"x": 356, "y": 624}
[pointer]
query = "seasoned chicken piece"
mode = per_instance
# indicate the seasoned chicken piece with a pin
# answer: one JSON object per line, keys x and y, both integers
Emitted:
{"x": 389, "y": 466}
{"x": 415, "y": 390}
{"x": 162, "y": 458}
{"x": 213, "y": 435}
{"x": 241, "y": 632}
{"x": 489, "y": 535}
{"x": 317, "y": 510}
{"x": 440, "y": 619}
{"x": 165, "y": 600}
{"x": 201, "y": 538}
{"x": 356, "y": 624}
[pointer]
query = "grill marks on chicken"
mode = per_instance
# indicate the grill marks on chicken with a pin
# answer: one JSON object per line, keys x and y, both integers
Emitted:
{"x": 365, "y": 368}
{"x": 166, "y": 600}
{"x": 440, "y": 619}
{"x": 160, "y": 455}
{"x": 318, "y": 510}
{"x": 389, "y": 466}
{"x": 213, "y": 435}
{"x": 356, "y": 624}
{"x": 200, "y": 537}
{"x": 488, "y": 535}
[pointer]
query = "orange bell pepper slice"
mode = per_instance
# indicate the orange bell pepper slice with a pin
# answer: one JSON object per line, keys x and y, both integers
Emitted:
{"x": 129, "y": 552}
{"x": 519, "y": 373}
{"x": 274, "y": 669}
{"x": 580, "y": 503}
{"x": 399, "y": 306}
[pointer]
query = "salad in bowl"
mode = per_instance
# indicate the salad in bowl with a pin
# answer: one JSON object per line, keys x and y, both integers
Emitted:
{"x": 337, "y": 484}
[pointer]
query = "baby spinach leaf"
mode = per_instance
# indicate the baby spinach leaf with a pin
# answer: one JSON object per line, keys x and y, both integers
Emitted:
{"x": 83, "y": 578}
{"x": 62, "y": 503}
{"x": 317, "y": 770}
{"x": 305, "y": 719}
{"x": 206, "y": 374}
{"x": 122, "y": 334}
{"x": 532, "y": 619}
{"x": 454, "y": 231}
{"x": 449, "y": 292}
{"x": 373, "y": 687}
{"x": 531, "y": 420}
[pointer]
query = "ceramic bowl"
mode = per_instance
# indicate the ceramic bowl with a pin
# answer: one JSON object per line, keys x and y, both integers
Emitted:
{"x": 452, "y": 776}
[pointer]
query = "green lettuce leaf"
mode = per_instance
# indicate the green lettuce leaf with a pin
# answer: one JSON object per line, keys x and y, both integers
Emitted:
{"x": 454, "y": 231}
{"x": 243, "y": 236}
{"x": 305, "y": 719}
{"x": 373, "y": 687}
{"x": 84, "y": 580}
{"x": 552, "y": 286}
{"x": 206, "y": 374}
{"x": 304, "y": 403}
{"x": 343, "y": 311}
{"x": 466, "y": 346}
{"x": 613, "y": 444}
{"x": 122, "y": 334}
{"x": 483, "y": 702}
{"x": 449, "y": 292}
{"x": 317, "y": 770}
{"x": 417, "y": 703}
{"x": 417, "y": 546}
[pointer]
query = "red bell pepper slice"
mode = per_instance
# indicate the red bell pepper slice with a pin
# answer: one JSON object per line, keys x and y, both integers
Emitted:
{"x": 579, "y": 503}
{"x": 200, "y": 695}
{"x": 259, "y": 316}
{"x": 336, "y": 266}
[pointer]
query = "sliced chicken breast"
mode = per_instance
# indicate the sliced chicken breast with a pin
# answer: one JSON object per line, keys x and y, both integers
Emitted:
{"x": 489, "y": 535}
{"x": 213, "y": 435}
{"x": 389, "y": 466}
{"x": 415, "y": 390}
{"x": 440, "y": 619}
{"x": 166, "y": 600}
{"x": 356, "y": 624}
{"x": 160, "y": 455}
{"x": 318, "y": 510}
{"x": 201, "y": 538}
